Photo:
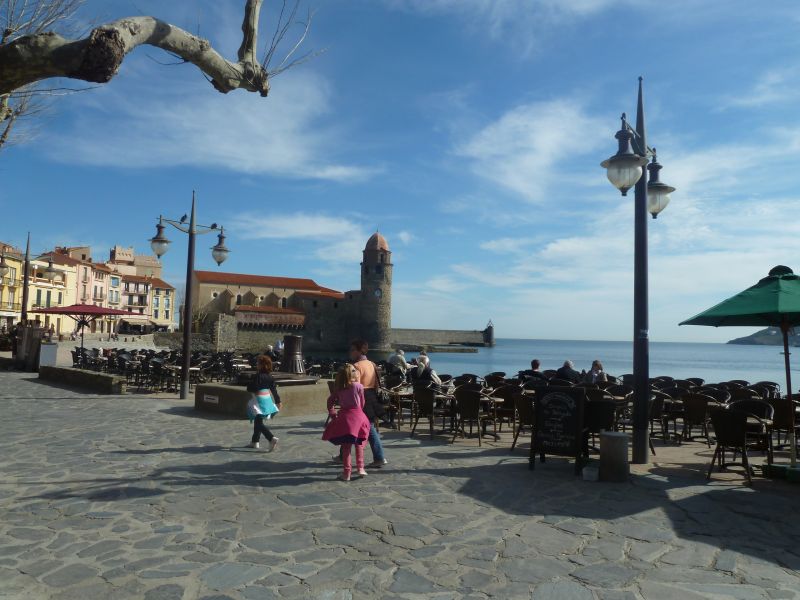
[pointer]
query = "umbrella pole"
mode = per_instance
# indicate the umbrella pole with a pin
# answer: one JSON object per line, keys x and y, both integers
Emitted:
{"x": 792, "y": 446}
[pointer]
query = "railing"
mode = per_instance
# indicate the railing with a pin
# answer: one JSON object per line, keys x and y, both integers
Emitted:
{"x": 99, "y": 295}
{"x": 84, "y": 297}
{"x": 137, "y": 304}
{"x": 11, "y": 282}
{"x": 113, "y": 300}
{"x": 10, "y": 306}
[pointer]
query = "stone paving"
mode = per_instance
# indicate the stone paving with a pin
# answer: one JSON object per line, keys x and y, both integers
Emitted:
{"x": 138, "y": 497}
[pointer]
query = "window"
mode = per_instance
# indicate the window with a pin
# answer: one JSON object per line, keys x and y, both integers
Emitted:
{"x": 127, "y": 287}
{"x": 155, "y": 314}
{"x": 214, "y": 294}
{"x": 141, "y": 311}
{"x": 60, "y": 297}
{"x": 378, "y": 269}
{"x": 48, "y": 297}
{"x": 115, "y": 282}
{"x": 142, "y": 300}
{"x": 38, "y": 297}
{"x": 238, "y": 299}
{"x": 130, "y": 300}
{"x": 166, "y": 302}
{"x": 166, "y": 293}
{"x": 166, "y": 315}
{"x": 381, "y": 258}
{"x": 314, "y": 304}
{"x": 335, "y": 305}
{"x": 12, "y": 273}
{"x": 157, "y": 291}
{"x": 155, "y": 302}
{"x": 283, "y": 303}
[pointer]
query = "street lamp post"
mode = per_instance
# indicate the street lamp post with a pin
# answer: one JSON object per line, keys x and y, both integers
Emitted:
{"x": 160, "y": 244}
{"x": 625, "y": 170}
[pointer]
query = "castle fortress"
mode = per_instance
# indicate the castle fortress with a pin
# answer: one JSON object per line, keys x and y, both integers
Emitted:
{"x": 263, "y": 308}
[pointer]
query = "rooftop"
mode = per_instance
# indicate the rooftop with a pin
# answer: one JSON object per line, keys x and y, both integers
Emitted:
{"x": 377, "y": 242}
{"x": 259, "y": 281}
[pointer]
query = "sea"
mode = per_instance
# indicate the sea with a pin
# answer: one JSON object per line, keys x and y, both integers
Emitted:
{"x": 712, "y": 362}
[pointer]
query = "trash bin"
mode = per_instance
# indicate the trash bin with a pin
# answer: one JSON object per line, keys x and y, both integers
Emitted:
{"x": 614, "y": 463}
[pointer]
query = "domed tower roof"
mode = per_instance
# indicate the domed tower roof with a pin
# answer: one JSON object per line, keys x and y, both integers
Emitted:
{"x": 377, "y": 242}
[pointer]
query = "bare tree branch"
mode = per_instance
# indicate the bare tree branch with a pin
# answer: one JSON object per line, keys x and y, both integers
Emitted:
{"x": 97, "y": 58}
{"x": 31, "y": 51}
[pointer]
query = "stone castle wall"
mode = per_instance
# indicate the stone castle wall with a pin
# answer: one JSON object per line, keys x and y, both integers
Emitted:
{"x": 437, "y": 337}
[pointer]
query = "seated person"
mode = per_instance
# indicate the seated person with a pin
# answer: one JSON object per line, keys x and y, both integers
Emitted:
{"x": 423, "y": 373}
{"x": 596, "y": 373}
{"x": 534, "y": 373}
{"x": 568, "y": 372}
{"x": 398, "y": 362}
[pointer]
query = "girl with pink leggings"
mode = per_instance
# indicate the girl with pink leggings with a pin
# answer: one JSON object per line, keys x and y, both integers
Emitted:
{"x": 350, "y": 427}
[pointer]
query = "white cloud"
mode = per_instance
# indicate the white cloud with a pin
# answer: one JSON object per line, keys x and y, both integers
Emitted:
{"x": 522, "y": 22}
{"x": 331, "y": 239}
{"x": 405, "y": 237}
{"x": 529, "y": 147}
{"x": 774, "y": 86}
{"x": 186, "y": 123}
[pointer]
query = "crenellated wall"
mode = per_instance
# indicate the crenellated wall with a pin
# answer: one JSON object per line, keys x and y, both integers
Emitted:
{"x": 439, "y": 337}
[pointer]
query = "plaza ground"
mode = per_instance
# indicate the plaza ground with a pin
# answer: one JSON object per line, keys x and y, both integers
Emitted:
{"x": 142, "y": 497}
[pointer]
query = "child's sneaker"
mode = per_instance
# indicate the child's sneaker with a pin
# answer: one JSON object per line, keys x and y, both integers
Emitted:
{"x": 362, "y": 473}
{"x": 273, "y": 443}
{"x": 253, "y": 445}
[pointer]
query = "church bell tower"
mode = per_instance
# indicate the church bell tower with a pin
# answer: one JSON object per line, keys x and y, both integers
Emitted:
{"x": 376, "y": 293}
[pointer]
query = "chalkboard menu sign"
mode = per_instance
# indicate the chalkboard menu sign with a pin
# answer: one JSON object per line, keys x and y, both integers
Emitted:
{"x": 559, "y": 424}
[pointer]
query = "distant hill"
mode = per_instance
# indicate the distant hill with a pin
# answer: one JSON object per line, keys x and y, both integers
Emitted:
{"x": 771, "y": 336}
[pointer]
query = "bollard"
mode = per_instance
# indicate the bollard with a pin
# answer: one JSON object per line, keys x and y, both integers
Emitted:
{"x": 614, "y": 464}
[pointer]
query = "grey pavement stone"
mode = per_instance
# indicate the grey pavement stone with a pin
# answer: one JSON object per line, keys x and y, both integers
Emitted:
{"x": 562, "y": 590}
{"x": 168, "y": 591}
{"x": 225, "y": 576}
{"x": 69, "y": 575}
{"x": 607, "y": 575}
{"x": 127, "y": 505}
{"x": 408, "y": 582}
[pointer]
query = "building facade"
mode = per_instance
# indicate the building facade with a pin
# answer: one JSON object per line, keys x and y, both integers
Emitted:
{"x": 267, "y": 307}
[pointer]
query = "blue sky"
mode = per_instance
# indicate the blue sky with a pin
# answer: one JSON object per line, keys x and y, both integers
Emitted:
{"x": 470, "y": 132}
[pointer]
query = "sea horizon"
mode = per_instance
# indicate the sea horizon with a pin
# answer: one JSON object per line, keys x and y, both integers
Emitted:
{"x": 712, "y": 361}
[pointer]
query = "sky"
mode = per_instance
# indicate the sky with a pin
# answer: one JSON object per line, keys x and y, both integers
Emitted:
{"x": 470, "y": 133}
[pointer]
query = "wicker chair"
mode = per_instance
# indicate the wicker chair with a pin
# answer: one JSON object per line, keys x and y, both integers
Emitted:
{"x": 425, "y": 407}
{"x": 695, "y": 413}
{"x": 507, "y": 411}
{"x": 730, "y": 430}
{"x": 469, "y": 409}
{"x": 759, "y": 434}
{"x": 526, "y": 415}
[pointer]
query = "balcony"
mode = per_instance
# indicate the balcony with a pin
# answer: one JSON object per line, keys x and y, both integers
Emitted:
{"x": 10, "y": 306}
{"x": 113, "y": 300}
{"x": 11, "y": 282}
{"x": 84, "y": 298}
{"x": 99, "y": 295}
{"x": 136, "y": 305}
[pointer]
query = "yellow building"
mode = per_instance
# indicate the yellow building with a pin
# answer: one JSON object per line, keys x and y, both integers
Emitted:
{"x": 43, "y": 293}
{"x": 11, "y": 286}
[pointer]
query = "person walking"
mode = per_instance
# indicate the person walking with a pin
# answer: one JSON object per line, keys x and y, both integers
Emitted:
{"x": 350, "y": 427}
{"x": 368, "y": 377}
{"x": 264, "y": 403}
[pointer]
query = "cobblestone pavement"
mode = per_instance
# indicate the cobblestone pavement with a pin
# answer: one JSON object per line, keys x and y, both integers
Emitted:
{"x": 135, "y": 497}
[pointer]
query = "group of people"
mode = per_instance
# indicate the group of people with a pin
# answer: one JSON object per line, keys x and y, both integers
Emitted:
{"x": 355, "y": 393}
{"x": 567, "y": 372}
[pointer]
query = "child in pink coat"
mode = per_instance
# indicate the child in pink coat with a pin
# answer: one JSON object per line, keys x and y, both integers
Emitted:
{"x": 350, "y": 427}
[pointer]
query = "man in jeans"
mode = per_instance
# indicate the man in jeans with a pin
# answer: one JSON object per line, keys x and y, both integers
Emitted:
{"x": 368, "y": 377}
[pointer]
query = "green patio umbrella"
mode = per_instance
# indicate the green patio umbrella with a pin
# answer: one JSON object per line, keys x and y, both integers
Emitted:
{"x": 773, "y": 302}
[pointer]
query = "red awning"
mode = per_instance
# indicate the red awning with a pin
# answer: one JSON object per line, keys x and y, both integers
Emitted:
{"x": 87, "y": 310}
